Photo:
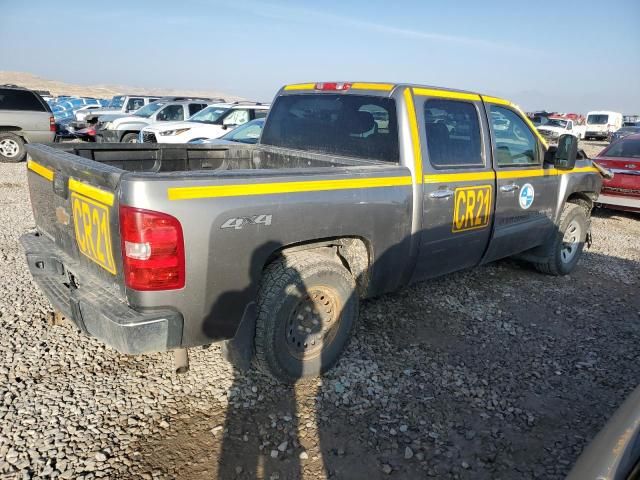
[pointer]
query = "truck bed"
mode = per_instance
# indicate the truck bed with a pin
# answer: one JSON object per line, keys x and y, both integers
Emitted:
{"x": 166, "y": 158}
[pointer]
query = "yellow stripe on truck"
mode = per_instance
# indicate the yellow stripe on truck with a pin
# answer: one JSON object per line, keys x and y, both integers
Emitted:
{"x": 40, "y": 170}
{"x": 458, "y": 177}
{"x": 301, "y": 86}
{"x": 90, "y": 191}
{"x": 433, "y": 92}
{"x": 247, "y": 189}
{"x": 385, "y": 87}
{"x": 415, "y": 134}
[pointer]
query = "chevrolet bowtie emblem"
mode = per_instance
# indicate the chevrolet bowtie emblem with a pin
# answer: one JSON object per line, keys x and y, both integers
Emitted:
{"x": 62, "y": 216}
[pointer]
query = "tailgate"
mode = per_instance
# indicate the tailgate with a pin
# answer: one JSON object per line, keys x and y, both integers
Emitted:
{"x": 74, "y": 204}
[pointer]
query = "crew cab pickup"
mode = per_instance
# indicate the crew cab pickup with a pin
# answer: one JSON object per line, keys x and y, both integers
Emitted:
{"x": 354, "y": 190}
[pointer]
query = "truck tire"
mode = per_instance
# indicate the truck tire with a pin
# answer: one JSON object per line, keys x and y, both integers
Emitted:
{"x": 129, "y": 138}
{"x": 566, "y": 245}
{"x": 11, "y": 148}
{"x": 307, "y": 306}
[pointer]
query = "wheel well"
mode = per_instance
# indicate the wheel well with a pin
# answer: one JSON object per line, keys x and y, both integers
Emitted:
{"x": 583, "y": 199}
{"x": 354, "y": 252}
{"x": 10, "y": 129}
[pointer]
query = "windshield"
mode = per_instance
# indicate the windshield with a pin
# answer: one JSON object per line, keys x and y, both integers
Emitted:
{"x": 555, "y": 122}
{"x": 117, "y": 102}
{"x": 209, "y": 114}
{"x": 348, "y": 125}
{"x": 599, "y": 119}
{"x": 149, "y": 110}
{"x": 247, "y": 133}
{"x": 629, "y": 130}
{"x": 537, "y": 121}
{"x": 624, "y": 148}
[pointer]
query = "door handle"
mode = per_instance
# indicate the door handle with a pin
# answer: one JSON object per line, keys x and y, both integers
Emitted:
{"x": 509, "y": 188}
{"x": 441, "y": 194}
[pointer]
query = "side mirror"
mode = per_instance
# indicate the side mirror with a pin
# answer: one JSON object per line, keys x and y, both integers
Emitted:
{"x": 567, "y": 152}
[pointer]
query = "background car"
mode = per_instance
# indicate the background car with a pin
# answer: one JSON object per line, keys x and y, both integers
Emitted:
{"x": 24, "y": 118}
{"x": 622, "y": 192}
{"x": 249, "y": 133}
{"x": 211, "y": 122}
{"x": 624, "y": 132}
{"x": 127, "y": 128}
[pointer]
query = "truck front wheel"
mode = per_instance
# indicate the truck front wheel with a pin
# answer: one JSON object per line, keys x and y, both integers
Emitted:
{"x": 565, "y": 246}
{"x": 130, "y": 138}
{"x": 307, "y": 306}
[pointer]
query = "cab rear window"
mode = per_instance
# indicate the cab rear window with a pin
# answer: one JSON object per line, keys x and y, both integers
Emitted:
{"x": 23, "y": 100}
{"x": 346, "y": 125}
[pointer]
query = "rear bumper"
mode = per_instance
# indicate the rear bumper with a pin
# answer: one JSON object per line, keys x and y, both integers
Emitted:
{"x": 96, "y": 309}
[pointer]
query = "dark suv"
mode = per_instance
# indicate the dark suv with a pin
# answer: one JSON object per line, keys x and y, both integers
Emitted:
{"x": 24, "y": 118}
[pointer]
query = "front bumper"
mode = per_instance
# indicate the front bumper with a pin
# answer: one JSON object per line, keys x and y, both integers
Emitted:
{"x": 596, "y": 134}
{"x": 95, "y": 309}
{"x": 107, "y": 136}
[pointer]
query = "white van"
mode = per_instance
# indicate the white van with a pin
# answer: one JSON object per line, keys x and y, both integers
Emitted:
{"x": 601, "y": 124}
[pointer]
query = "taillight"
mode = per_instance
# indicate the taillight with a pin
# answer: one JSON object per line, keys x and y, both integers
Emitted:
{"x": 52, "y": 124}
{"x": 152, "y": 250}
{"x": 333, "y": 86}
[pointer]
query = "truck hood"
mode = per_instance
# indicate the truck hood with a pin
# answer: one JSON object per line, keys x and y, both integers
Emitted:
{"x": 551, "y": 129}
{"x": 129, "y": 119}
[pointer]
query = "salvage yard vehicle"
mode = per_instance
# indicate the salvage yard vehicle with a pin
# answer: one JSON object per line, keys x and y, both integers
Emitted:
{"x": 624, "y": 132}
{"x": 600, "y": 125}
{"x": 211, "y": 122}
{"x": 119, "y": 105}
{"x": 127, "y": 128}
{"x": 269, "y": 247}
{"x": 249, "y": 134}
{"x": 24, "y": 118}
{"x": 622, "y": 157}
{"x": 556, "y": 127}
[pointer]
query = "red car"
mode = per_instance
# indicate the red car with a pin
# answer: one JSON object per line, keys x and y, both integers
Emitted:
{"x": 622, "y": 157}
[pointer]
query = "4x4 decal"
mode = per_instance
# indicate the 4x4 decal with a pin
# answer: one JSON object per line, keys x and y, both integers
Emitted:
{"x": 240, "y": 222}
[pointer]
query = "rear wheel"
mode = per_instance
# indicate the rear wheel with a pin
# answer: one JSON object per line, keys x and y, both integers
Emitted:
{"x": 11, "y": 148}
{"x": 130, "y": 138}
{"x": 566, "y": 245}
{"x": 307, "y": 306}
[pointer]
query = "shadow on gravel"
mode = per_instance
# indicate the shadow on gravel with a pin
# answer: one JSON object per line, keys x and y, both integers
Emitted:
{"x": 495, "y": 372}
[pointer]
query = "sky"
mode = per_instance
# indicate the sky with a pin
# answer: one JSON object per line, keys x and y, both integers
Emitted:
{"x": 570, "y": 55}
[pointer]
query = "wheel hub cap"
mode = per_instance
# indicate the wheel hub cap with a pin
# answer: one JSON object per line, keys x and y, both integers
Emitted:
{"x": 571, "y": 241}
{"x": 313, "y": 323}
{"x": 9, "y": 148}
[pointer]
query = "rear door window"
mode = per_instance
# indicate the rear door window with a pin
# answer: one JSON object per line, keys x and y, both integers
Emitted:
{"x": 260, "y": 113}
{"x": 346, "y": 125}
{"x": 453, "y": 134}
{"x": 170, "y": 113}
{"x": 195, "y": 108}
{"x": 134, "y": 104}
{"x": 20, "y": 100}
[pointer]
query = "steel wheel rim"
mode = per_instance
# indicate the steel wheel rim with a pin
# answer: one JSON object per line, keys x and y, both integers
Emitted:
{"x": 571, "y": 241}
{"x": 9, "y": 148}
{"x": 313, "y": 323}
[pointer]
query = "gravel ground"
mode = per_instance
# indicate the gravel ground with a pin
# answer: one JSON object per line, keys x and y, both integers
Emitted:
{"x": 495, "y": 372}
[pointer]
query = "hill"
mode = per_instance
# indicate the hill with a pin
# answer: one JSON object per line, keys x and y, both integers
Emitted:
{"x": 56, "y": 87}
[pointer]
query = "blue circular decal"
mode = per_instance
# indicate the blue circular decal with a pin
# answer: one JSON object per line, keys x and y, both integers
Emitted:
{"x": 526, "y": 196}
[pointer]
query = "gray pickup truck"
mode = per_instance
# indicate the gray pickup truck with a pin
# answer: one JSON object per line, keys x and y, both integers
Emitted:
{"x": 354, "y": 190}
